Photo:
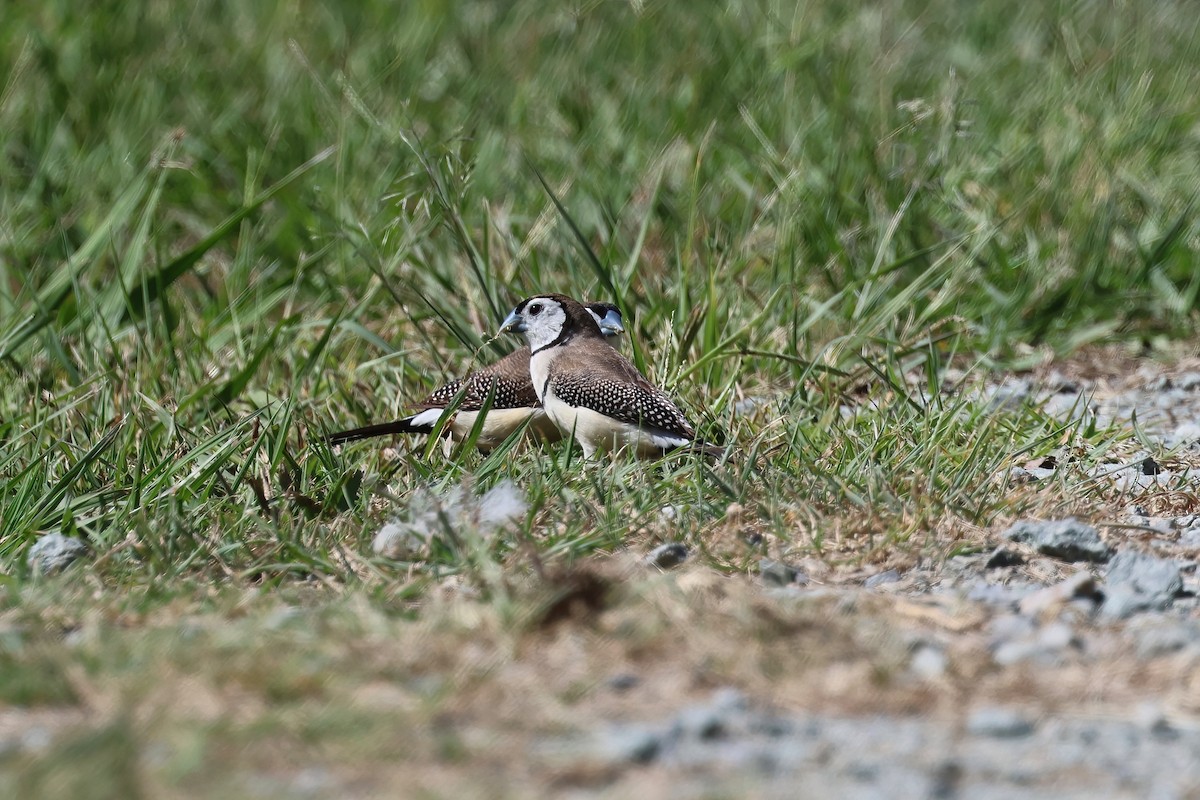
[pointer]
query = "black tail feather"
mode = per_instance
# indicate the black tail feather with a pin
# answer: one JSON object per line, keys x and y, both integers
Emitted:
{"x": 383, "y": 429}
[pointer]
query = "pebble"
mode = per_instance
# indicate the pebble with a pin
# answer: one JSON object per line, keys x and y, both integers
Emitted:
{"x": 1081, "y": 584}
{"x": 1045, "y": 646}
{"x": 1009, "y": 395}
{"x": 623, "y": 681}
{"x": 54, "y": 552}
{"x": 889, "y": 576}
{"x": 397, "y": 541}
{"x": 780, "y": 573}
{"x": 999, "y": 723}
{"x": 629, "y": 744}
{"x": 667, "y": 556}
{"x": 1136, "y": 582}
{"x": 1187, "y": 433}
{"x": 1188, "y": 381}
{"x": 1162, "y": 638}
{"x": 1068, "y": 539}
{"x": 928, "y": 662}
{"x": 1003, "y": 557}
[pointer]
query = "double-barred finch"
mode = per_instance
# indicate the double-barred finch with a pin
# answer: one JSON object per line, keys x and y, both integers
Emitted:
{"x": 507, "y": 384}
{"x": 592, "y": 392}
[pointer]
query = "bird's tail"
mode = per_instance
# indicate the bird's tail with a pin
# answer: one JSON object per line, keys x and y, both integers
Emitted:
{"x": 417, "y": 423}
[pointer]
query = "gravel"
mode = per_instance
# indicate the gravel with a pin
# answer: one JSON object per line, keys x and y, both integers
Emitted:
{"x": 1051, "y": 598}
{"x": 1000, "y": 723}
{"x": 710, "y": 750}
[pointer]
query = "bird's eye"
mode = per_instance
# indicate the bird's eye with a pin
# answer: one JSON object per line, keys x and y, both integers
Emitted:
{"x": 535, "y": 310}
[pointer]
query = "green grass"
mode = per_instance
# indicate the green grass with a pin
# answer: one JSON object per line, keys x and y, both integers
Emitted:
{"x": 227, "y": 229}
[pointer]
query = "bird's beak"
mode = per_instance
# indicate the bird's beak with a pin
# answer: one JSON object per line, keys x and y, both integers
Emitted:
{"x": 611, "y": 324}
{"x": 512, "y": 324}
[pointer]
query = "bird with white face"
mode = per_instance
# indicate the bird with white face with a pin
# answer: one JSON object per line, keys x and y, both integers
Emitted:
{"x": 592, "y": 392}
{"x": 505, "y": 384}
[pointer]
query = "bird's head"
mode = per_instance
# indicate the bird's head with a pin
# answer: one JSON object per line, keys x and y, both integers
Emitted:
{"x": 549, "y": 318}
{"x": 608, "y": 317}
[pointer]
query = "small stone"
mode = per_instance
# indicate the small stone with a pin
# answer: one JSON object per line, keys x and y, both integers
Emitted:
{"x": 397, "y": 541}
{"x": 1188, "y": 432}
{"x": 667, "y": 556}
{"x": 998, "y": 594}
{"x": 700, "y": 722}
{"x": 1003, "y": 557}
{"x": 1159, "y": 383}
{"x": 1081, "y": 584}
{"x": 1057, "y": 636}
{"x": 1068, "y": 539}
{"x": 1150, "y": 467}
{"x": 629, "y": 745}
{"x": 928, "y": 662}
{"x": 1020, "y": 476}
{"x": 1163, "y": 639}
{"x": 53, "y": 553}
{"x": 890, "y": 576}
{"x": 1009, "y": 395}
{"x": 1137, "y": 581}
{"x": 623, "y": 681}
{"x": 779, "y": 573}
{"x": 1188, "y": 381}
{"x": 999, "y": 723}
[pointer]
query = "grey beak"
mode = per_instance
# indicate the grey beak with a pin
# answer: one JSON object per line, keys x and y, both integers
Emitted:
{"x": 512, "y": 324}
{"x": 611, "y": 324}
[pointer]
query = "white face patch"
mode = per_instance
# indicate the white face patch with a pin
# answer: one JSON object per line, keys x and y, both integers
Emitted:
{"x": 544, "y": 319}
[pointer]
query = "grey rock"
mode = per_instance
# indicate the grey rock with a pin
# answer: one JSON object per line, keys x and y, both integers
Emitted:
{"x": 780, "y": 573}
{"x": 1190, "y": 537}
{"x": 1003, "y": 557}
{"x": 629, "y": 744}
{"x": 928, "y": 662}
{"x": 1046, "y": 645}
{"x": 1136, "y": 581}
{"x": 623, "y": 681}
{"x": 1068, "y": 539}
{"x": 1009, "y": 395}
{"x": 889, "y": 576}
{"x": 701, "y": 722}
{"x": 1005, "y": 627}
{"x": 1121, "y": 603}
{"x": 998, "y": 594}
{"x": 1151, "y": 641}
{"x": 1188, "y": 381}
{"x": 711, "y": 720}
{"x": 749, "y": 405}
{"x": 1159, "y": 383}
{"x": 667, "y": 556}
{"x": 1020, "y": 476}
{"x": 397, "y": 541}
{"x": 1079, "y": 585}
{"x": 999, "y": 723}
{"x": 1187, "y": 433}
{"x": 54, "y": 552}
